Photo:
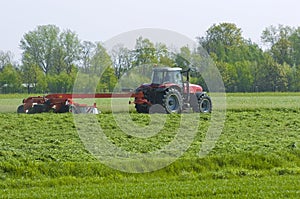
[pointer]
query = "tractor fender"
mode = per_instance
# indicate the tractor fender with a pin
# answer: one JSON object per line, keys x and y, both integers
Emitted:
{"x": 174, "y": 87}
{"x": 200, "y": 94}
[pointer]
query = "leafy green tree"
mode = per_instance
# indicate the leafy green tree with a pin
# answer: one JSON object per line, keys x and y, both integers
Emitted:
{"x": 100, "y": 61}
{"x": 61, "y": 83}
{"x": 164, "y": 57}
{"x": 278, "y": 39}
{"x": 86, "y": 83}
{"x": 228, "y": 74}
{"x": 34, "y": 78}
{"x": 295, "y": 51}
{"x": 293, "y": 75}
{"x": 10, "y": 79}
{"x": 87, "y": 51}
{"x": 108, "y": 81}
{"x": 272, "y": 76}
{"x": 102, "y": 68}
{"x": 41, "y": 85}
{"x": 122, "y": 60}
{"x": 221, "y": 40}
{"x": 136, "y": 76}
{"x": 6, "y": 58}
{"x": 145, "y": 52}
{"x": 284, "y": 46}
{"x": 183, "y": 58}
{"x": 243, "y": 64}
{"x": 70, "y": 50}
{"x": 40, "y": 46}
{"x": 244, "y": 77}
{"x": 53, "y": 51}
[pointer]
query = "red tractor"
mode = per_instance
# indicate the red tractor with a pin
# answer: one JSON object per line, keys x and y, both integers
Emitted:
{"x": 171, "y": 93}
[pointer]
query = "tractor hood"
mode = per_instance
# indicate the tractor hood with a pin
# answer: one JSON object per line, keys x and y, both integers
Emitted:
{"x": 195, "y": 88}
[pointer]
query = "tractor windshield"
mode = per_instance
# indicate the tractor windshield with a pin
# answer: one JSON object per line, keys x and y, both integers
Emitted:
{"x": 165, "y": 76}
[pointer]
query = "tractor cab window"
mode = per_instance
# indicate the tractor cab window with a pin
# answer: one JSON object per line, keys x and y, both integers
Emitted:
{"x": 178, "y": 77}
{"x": 169, "y": 77}
{"x": 173, "y": 77}
{"x": 160, "y": 77}
{"x": 157, "y": 77}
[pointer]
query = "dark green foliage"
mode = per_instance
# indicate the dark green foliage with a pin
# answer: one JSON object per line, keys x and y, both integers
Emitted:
{"x": 245, "y": 67}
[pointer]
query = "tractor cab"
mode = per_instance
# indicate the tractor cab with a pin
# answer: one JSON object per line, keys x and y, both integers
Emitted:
{"x": 167, "y": 75}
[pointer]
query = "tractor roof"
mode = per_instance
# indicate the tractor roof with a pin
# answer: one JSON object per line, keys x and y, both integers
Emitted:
{"x": 167, "y": 69}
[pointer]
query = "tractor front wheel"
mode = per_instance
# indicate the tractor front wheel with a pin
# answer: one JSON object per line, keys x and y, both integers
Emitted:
{"x": 172, "y": 101}
{"x": 205, "y": 105}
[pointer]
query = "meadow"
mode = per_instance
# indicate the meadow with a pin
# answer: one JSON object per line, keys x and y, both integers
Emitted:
{"x": 256, "y": 156}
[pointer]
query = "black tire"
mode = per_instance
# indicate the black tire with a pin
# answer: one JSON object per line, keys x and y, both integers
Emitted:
{"x": 20, "y": 109}
{"x": 142, "y": 108}
{"x": 172, "y": 101}
{"x": 205, "y": 105}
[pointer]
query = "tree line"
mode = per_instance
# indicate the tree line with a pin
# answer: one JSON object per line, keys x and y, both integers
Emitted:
{"x": 51, "y": 59}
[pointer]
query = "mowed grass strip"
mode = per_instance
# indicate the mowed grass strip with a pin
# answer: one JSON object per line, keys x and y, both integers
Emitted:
{"x": 256, "y": 156}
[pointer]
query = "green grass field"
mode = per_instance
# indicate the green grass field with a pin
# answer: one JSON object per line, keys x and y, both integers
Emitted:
{"x": 256, "y": 156}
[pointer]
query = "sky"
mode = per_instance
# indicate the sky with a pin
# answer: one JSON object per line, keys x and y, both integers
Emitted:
{"x": 100, "y": 20}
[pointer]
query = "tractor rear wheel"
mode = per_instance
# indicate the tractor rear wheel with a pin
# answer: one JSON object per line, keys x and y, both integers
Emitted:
{"x": 205, "y": 105}
{"x": 172, "y": 101}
